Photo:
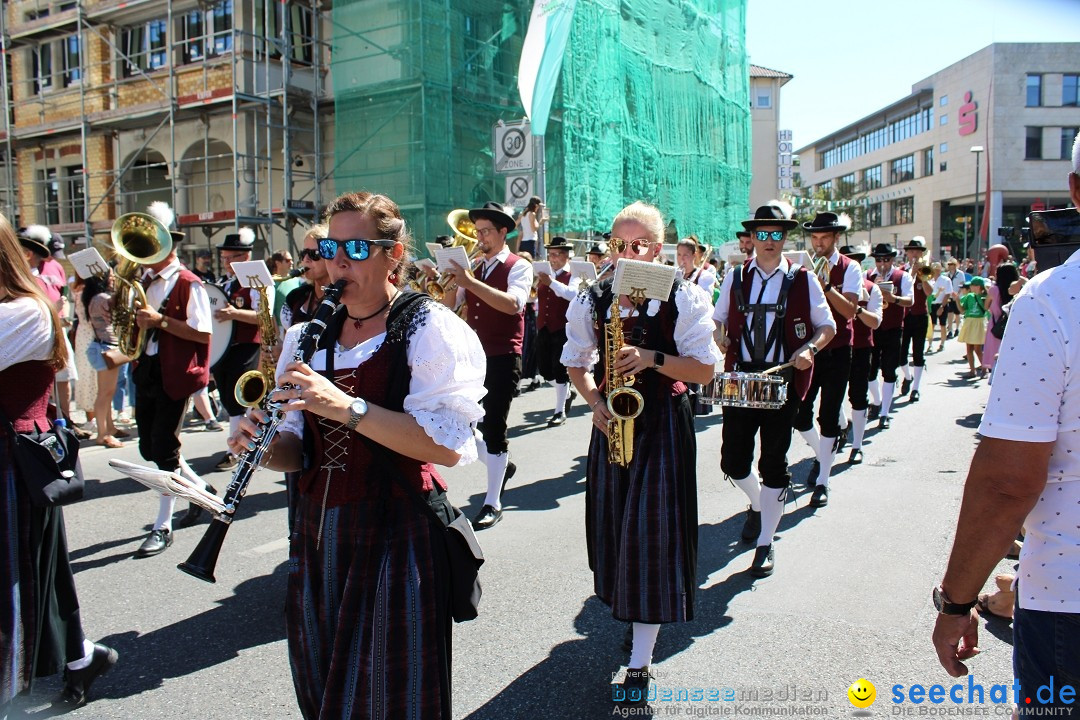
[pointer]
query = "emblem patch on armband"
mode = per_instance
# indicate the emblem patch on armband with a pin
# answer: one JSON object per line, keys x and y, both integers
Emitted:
{"x": 239, "y": 301}
{"x": 800, "y": 330}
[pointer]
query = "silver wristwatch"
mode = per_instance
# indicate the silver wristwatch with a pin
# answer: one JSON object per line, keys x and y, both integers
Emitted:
{"x": 357, "y": 411}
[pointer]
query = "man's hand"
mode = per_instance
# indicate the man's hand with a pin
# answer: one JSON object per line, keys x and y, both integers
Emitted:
{"x": 460, "y": 276}
{"x": 804, "y": 359}
{"x": 226, "y": 313}
{"x": 956, "y": 638}
{"x": 544, "y": 278}
{"x": 148, "y": 319}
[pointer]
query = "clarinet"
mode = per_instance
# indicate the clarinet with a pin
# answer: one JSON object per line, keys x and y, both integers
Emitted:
{"x": 203, "y": 558}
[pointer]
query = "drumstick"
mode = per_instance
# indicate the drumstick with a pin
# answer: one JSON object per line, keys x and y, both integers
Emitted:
{"x": 778, "y": 368}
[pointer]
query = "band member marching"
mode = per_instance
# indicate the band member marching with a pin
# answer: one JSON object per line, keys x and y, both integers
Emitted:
{"x": 174, "y": 366}
{"x": 553, "y": 295}
{"x": 753, "y": 297}
{"x": 691, "y": 262}
{"x": 867, "y": 318}
{"x": 897, "y": 295}
{"x": 917, "y": 318}
{"x": 495, "y": 295}
{"x": 243, "y": 352}
{"x": 641, "y": 515}
{"x": 833, "y": 364}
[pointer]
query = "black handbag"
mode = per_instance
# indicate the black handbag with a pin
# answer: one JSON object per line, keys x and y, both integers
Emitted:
{"x": 998, "y": 328}
{"x": 48, "y": 464}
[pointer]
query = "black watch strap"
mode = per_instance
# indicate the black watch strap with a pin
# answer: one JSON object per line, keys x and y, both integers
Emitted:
{"x": 945, "y": 606}
{"x": 658, "y": 359}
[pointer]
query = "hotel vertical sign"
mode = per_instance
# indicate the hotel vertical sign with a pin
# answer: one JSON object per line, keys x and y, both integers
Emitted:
{"x": 784, "y": 168}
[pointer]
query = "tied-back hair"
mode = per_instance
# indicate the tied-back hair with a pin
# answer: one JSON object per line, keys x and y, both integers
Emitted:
{"x": 387, "y": 217}
{"x": 1006, "y": 275}
{"x": 18, "y": 282}
{"x": 646, "y": 215}
{"x": 534, "y": 202}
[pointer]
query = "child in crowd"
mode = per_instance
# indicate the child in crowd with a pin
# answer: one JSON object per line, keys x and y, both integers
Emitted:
{"x": 973, "y": 306}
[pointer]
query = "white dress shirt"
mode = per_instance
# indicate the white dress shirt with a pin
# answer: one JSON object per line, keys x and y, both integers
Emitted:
{"x": 198, "y": 306}
{"x": 518, "y": 284}
{"x": 852, "y": 276}
{"x": 906, "y": 290}
{"x": 943, "y": 289}
{"x": 565, "y": 291}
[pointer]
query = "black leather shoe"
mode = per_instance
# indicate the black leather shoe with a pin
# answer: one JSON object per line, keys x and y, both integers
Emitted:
{"x": 194, "y": 512}
{"x": 487, "y": 517}
{"x": 905, "y": 386}
{"x": 227, "y": 461}
{"x": 569, "y": 401}
{"x": 815, "y": 470}
{"x": 633, "y": 691}
{"x": 855, "y": 458}
{"x": 883, "y": 422}
{"x": 752, "y": 526}
{"x": 873, "y": 412}
{"x": 764, "y": 561}
{"x": 511, "y": 468}
{"x": 557, "y": 419}
{"x": 820, "y": 498}
{"x": 914, "y": 396}
{"x": 77, "y": 682}
{"x": 155, "y": 543}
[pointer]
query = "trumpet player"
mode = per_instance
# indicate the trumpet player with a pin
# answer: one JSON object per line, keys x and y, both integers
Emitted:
{"x": 173, "y": 367}
{"x": 553, "y": 295}
{"x": 897, "y": 295}
{"x": 495, "y": 293}
{"x": 867, "y": 318}
{"x": 841, "y": 278}
{"x": 641, "y": 518}
{"x": 773, "y": 313}
{"x": 917, "y": 318}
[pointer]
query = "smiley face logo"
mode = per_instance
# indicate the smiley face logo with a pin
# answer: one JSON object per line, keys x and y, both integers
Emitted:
{"x": 862, "y": 693}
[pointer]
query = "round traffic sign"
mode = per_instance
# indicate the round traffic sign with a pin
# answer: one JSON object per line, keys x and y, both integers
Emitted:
{"x": 513, "y": 143}
{"x": 519, "y": 188}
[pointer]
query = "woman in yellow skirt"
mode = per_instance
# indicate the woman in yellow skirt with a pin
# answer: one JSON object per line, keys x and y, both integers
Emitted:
{"x": 973, "y": 305}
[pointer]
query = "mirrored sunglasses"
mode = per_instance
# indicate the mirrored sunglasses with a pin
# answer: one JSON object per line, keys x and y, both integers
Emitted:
{"x": 763, "y": 235}
{"x": 356, "y": 249}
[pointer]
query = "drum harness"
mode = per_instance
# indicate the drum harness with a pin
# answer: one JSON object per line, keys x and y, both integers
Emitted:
{"x": 753, "y": 336}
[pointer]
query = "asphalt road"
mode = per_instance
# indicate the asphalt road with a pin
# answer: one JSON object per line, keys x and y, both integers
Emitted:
{"x": 850, "y": 597}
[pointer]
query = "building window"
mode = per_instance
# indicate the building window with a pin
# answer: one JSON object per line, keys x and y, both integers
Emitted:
{"x": 41, "y": 60}
{"x": 145, "y": 47}
{"x": 220, "y": 21}
{"x": 75, "y": 207}
{"x": 943, "y": 167}
{"x": 944, "y": 100}
{"x": 871, "y": 178}
{"x": 902, "y": 170}
{"x": 944, "y": 119}
{"x": 298, "y": 26}
{"x": 873, "y": 215}
{"x": 191, "y": 32}
{"x": 1068, "y": 136}
{"x": 50, "y": 199}
{"x": 1069, "y": 87}
{"x": 944, "y": 148}
{"x": 71, "y": 57}
{"x": 1034, "y": 144}
{"x": 825, "y": 187}
{"x": 928, "y": 161}
{"x": 207, "y": 33}
{"x": 845, "y": 186}
{"x": 763, "y": 97}
{"x": 1034, "y": 90}
{"x": 903, "y": 211}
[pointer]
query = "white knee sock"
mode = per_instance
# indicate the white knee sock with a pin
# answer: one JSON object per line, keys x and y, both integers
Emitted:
{"x": 644, "y": 642}
{"x": 858, "y": 424}
{"x": 234, "y": 424}
{"x": 496, "y": 469}
{"x": 190, "y": 474}
{"x": 811, "y": 438}
{"x": 918, "y": 378}
{"x": 843, "y": 419}
{"x": 562, "y": 391}
{"x": 166, "y": 505}
{"x": 751, "y": 486}
{"x": 772, "y": 509}
{"x": 875, "y": 391}
{"x": 825, "y": 457}
{"x": 86, "y": 659}
{"x": 887, "y": 390}
{"x": 481, "y": 448}
{"x": 906, "y": 369}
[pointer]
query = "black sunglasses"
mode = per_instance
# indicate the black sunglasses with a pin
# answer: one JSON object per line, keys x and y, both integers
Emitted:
{"x": 312, "y": 255}
{"x": 356, "y": 249}
{"x": 763, "y": 235}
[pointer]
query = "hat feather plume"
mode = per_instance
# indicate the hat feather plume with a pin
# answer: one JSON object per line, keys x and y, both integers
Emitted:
{"x": 845, "y": 220}
{"x": 39, "y": 232}
{"x": 161, "y": 212}
{"x": 247, "y": 235}
{"x": 784, "y": 208}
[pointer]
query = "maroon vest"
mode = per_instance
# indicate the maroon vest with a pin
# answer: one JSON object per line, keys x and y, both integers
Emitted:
{"x": 240, "y": 297}
{"x": 185, "y": 367}
{"x": 862, "y": 336}
{"x": 919, "y": 306}
{"x": 25, "y": 399}
{"x": 552, "y": 312}
{"x": 797, "y": 326}
{"x": 843, "y": 325}
{"x": 358, "y": 481}
{"x": 893, "y": 317}
{"x": 500, "y": 333}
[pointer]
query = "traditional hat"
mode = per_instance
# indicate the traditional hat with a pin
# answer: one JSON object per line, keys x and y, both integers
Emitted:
{"x": 36, "y": 238}
{"x": 560, "y": 243}
{"x": 854, "y": 253}
{"x": 496, "y": 213}
{"x": 598, "y": 248}
{"x": 742, "y": 234}
{"x": 771, "y": 214}
{"x": 444, "y": 240}
{"x": 203, "y": 253}
{"x": 164, "y": 214}
{"x": 56, "y": 246}
{"x": 243, "y": 240}
{"x": 916, "y": 243}
{"x": 884, "y": 250}
{"x": 828, "y": 222}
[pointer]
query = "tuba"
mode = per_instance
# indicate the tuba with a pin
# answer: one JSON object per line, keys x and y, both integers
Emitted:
{"x": 624, "y": 402}
{"x": 464, "y": 236}
{"x": 138, "y": 239}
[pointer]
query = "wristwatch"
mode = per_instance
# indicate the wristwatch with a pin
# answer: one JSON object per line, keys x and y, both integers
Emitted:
{"x": 814, "y": 349}
{"x": 859, "y": 309}
{"x": 947, "y": 607}
{"x": 164, "y": 322}
{"x": 357, "y": 411}
{"x": 658, "y": 360}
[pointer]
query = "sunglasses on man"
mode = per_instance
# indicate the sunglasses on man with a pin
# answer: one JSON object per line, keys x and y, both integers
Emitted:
{"x": 763, "y": 235}
{"x": 356, "y": 249}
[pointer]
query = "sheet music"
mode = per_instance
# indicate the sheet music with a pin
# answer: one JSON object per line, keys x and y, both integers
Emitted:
{"x": 253, "y": 274}
{"x": 583, "y": 269}
{"x": 432, "y": 248}
{"x": 424, "y": 264}
{"x": 457, "y": 254}
{"x": 542, "y": 266}
{"x": 800, "y": 257}
{"x": 639, "y": 280}
{"x": 89, "y": 263}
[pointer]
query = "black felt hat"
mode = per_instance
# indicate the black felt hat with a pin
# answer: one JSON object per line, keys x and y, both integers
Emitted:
{"x": 849, "y": 251}
{"x": 916, "y": 243}
{"x": 36, "y": 238}
{"x": 243, "y": 241}
{"x": 496, "y": 213}
{"x": 882, "y": 250}
{"x": 599, "y": 248}
{"x": 769, "y": 215}
{"x": 825, "y": 222}
{"x": 742, "y": 234}
{"x": 560, "y": 243}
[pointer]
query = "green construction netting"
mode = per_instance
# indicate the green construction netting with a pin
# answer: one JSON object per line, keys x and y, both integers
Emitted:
{"x": 653, "y": 105}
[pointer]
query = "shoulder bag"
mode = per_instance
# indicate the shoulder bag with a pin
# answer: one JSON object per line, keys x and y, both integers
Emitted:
{"x": 47, "y": 464}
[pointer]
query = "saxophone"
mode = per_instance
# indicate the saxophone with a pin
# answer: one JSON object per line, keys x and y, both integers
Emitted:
{"x": 623, "y": 401}
{"x": 253, "y": 385}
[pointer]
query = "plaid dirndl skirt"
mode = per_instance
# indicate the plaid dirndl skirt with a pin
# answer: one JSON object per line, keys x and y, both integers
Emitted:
{"x": 367, "y": 612}
{"x": 641, "y": 521}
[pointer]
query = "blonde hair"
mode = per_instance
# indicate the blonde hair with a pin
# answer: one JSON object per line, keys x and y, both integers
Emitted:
{"x": 318, "y": 232}
{"x": 645, "y": 215}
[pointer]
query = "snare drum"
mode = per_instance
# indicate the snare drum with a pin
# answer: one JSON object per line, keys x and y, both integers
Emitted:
{"x": 746, "y": 390}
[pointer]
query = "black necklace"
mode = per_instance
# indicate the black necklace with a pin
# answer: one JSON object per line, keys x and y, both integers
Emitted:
{"x": 358, "y": 322}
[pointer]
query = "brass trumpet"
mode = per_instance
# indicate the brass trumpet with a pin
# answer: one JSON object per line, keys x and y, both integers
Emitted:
{"x": 139, "y": 239}
{"x": 464, "y": 236}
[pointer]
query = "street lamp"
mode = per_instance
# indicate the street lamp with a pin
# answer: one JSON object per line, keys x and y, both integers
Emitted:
{"x": 965, "y": 219}
{"x": 977, "y": 149}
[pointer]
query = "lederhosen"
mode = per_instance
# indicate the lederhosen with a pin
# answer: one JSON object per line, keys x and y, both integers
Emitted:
{"x": 551, "y": 331}
{"x": 243, "y": 352}
{"x": 862, "y": 344}
{"x": 791, "y": 325}
{"x": 916, "y": 321}
{"x": 832, "y": 366}
{"x": 367, "y": 603}
{"x": 886, "y": 353}
{"x": 641, "y": 521}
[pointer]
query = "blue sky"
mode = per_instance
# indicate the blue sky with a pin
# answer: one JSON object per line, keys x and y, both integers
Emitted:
{"x": 852, "y": 57}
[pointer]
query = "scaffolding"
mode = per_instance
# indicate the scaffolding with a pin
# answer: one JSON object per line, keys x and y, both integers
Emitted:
{"x": 220, "y": 110}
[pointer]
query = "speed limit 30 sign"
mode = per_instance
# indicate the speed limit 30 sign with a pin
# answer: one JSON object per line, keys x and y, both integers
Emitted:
{"x": 513, "y": 147}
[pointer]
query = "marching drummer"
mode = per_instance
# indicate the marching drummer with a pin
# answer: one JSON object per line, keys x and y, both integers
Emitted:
{"x": 753, "y": 295}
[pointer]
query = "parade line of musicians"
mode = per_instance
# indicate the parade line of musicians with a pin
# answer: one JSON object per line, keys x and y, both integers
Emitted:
{"x": 368, "y": 568}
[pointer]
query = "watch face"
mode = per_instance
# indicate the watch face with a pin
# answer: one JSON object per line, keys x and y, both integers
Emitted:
{"x": 939, "y": 601}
